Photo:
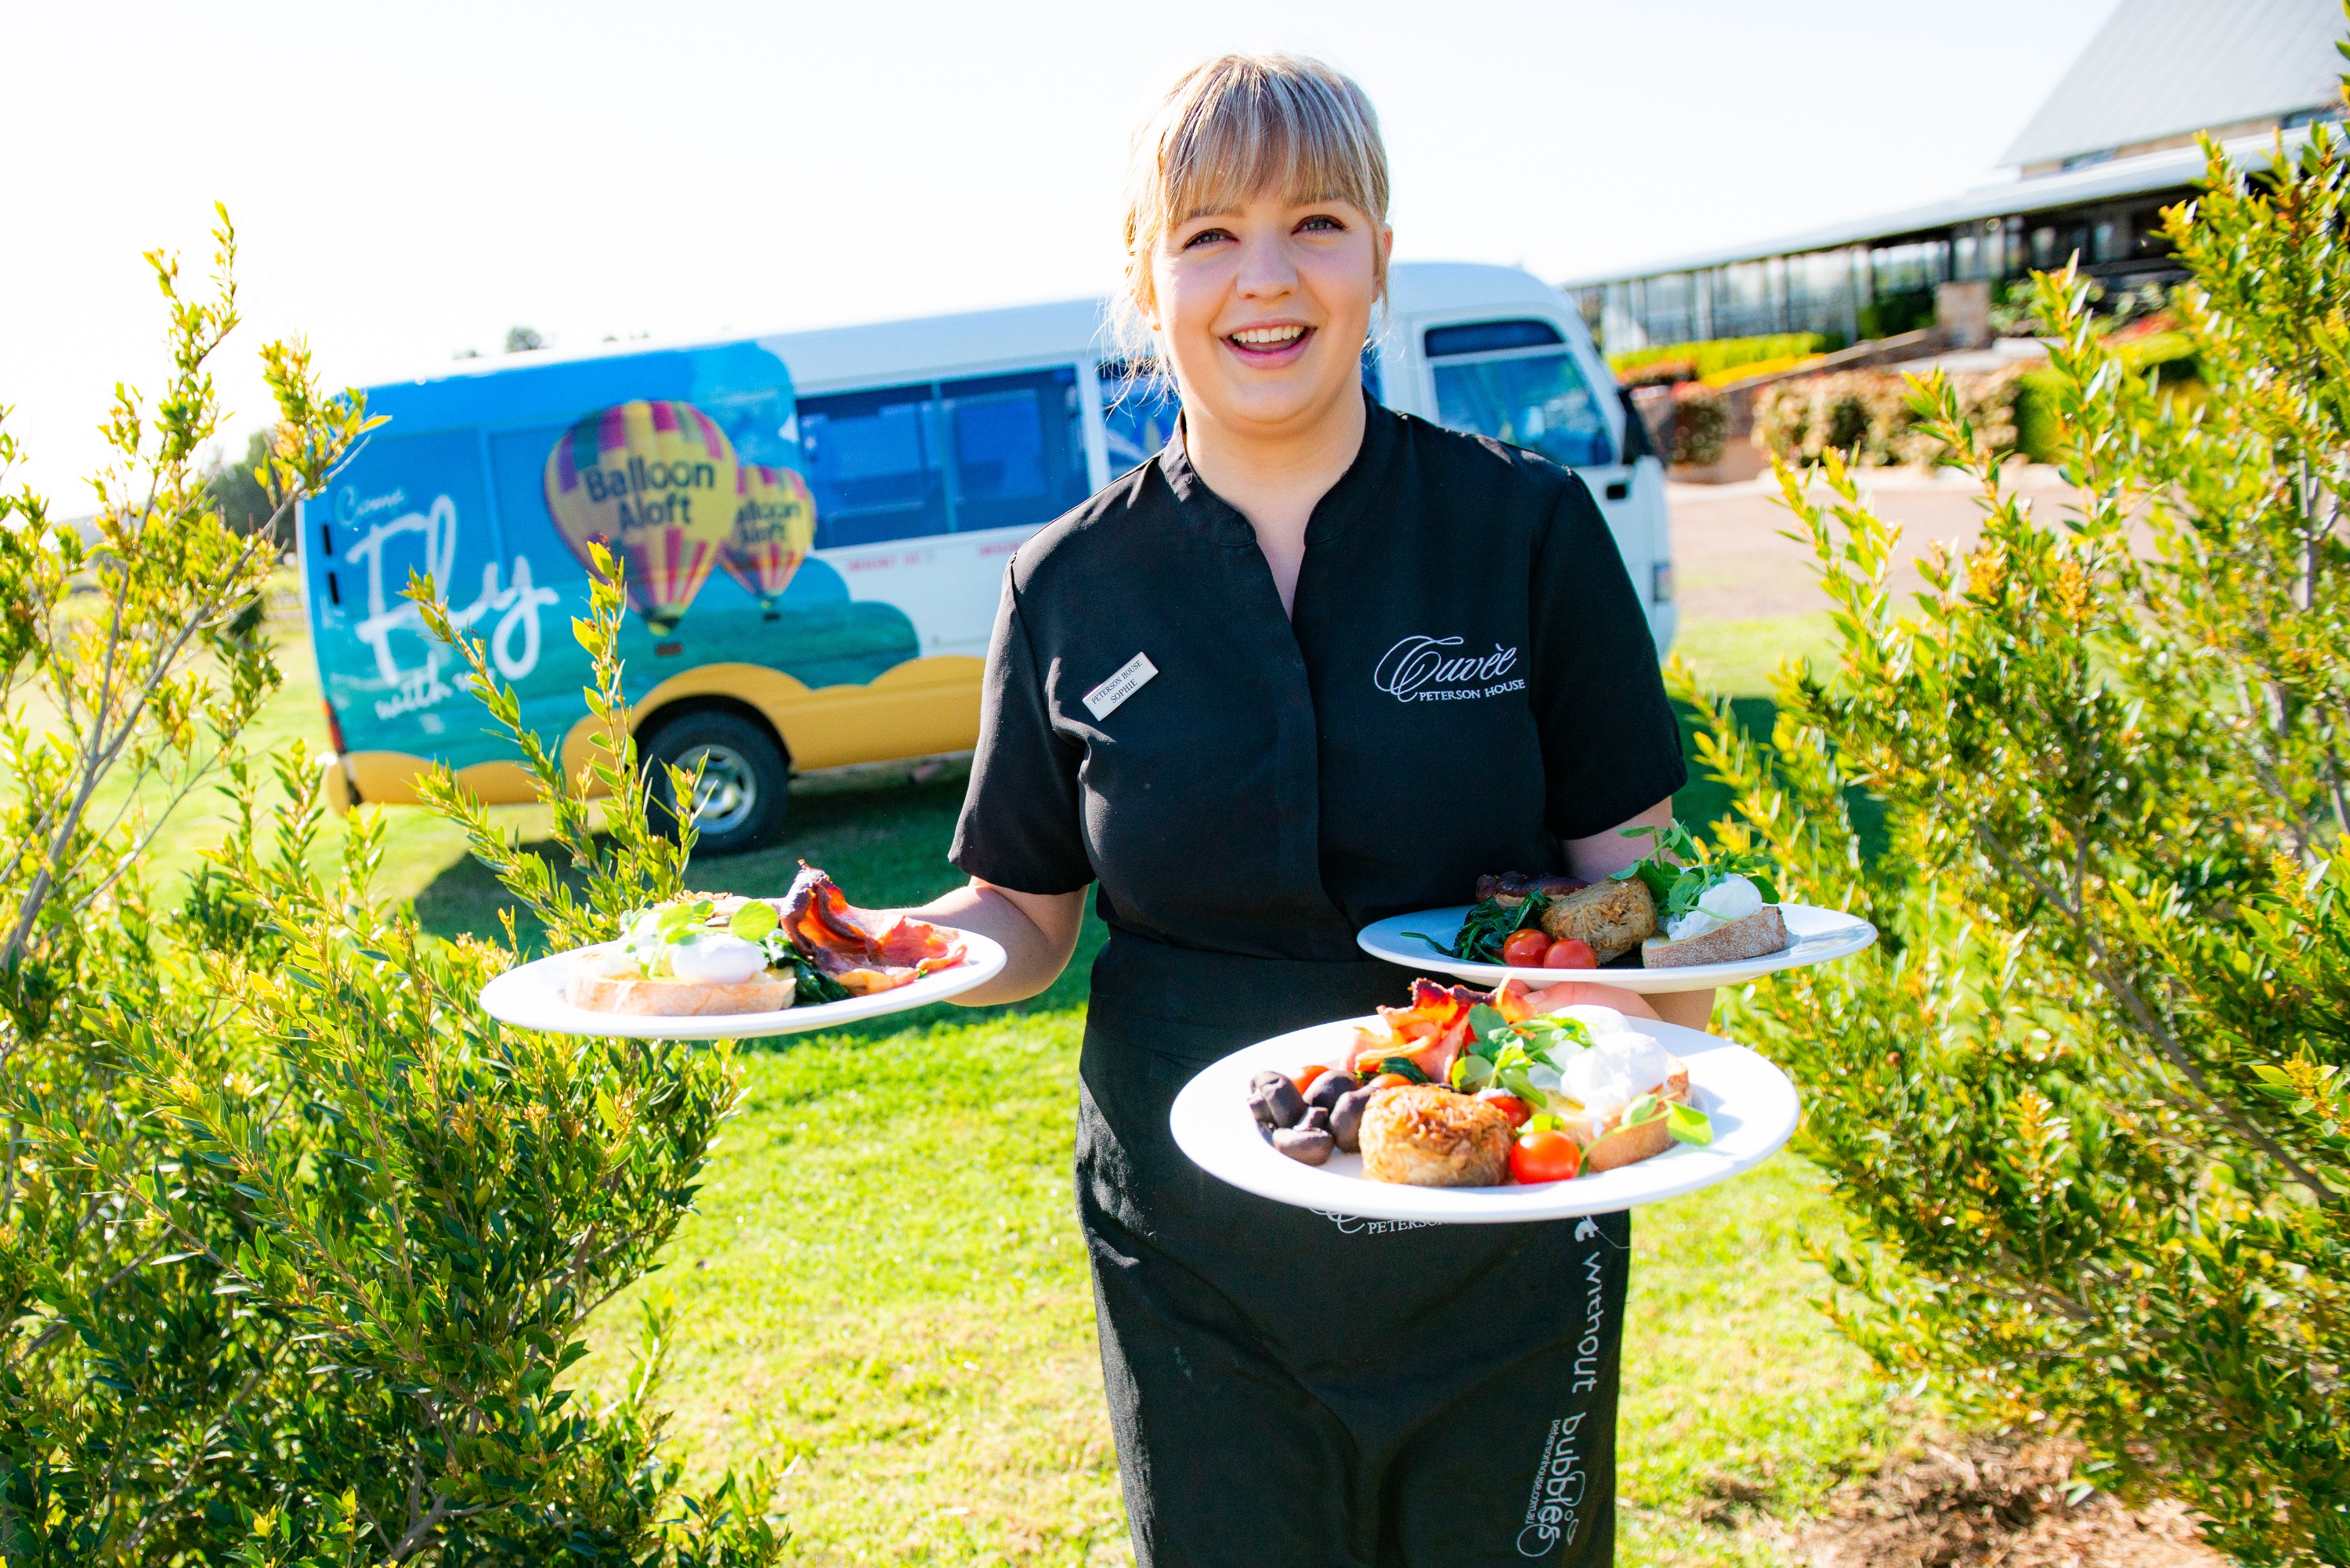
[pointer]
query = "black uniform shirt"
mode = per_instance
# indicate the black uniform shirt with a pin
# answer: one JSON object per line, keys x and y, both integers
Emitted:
{"x": 1467, "y": 679}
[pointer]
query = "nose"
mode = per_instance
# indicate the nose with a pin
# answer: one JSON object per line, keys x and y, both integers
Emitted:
{"x": 1267, "y": 271}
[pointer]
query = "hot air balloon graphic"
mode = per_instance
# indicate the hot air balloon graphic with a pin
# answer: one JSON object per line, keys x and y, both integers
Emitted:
{"x": 656, "y": 482}
{"x": 775, "y": 523}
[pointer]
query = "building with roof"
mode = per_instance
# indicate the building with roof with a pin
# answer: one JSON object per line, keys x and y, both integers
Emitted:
{"x": 2114, "y": 144}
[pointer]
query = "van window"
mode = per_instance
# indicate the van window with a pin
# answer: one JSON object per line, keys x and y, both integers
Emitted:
{"x": 1137, "y": 414}
{"x": 879, "y": 463}
{"x": 1518, "y": 388}
{"x": 874, "y": 464}
{"x": 1019, "y": 449}
{"x": 1485, "y": 336}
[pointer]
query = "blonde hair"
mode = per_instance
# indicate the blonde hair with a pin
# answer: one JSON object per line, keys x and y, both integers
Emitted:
{"x": 1234, "y": 128}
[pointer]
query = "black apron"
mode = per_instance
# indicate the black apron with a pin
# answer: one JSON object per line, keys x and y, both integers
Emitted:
{"x": 1322, "y": 1391}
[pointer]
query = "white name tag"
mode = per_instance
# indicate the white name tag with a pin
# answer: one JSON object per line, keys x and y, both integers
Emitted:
{"x": 1132, "y": 677}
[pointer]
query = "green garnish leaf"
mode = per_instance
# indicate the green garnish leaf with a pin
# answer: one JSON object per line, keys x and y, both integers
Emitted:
{"x": 1680, "y": 870}
{"x": 1544, "y": 1122}
{"x": 1406, "y": 1067}
{"x": 1642, "y": 1111}
{"x": 754, "y": 920}
{"x": 1470, "y": 1073}
{"x": 1484, "y": 1022}
{"x": 1688, "y": 1123}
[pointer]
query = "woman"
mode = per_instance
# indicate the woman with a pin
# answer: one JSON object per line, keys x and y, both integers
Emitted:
{"x": 1191, "y": 700}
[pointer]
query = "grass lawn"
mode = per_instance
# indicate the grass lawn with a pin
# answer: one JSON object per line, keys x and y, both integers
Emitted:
{"x": 884, "y": 1293}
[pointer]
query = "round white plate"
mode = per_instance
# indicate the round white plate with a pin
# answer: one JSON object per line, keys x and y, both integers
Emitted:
{"x": 1822, "y": 936}
{"x": 531, "y": 997}
{"x": 1752, "y": 1105}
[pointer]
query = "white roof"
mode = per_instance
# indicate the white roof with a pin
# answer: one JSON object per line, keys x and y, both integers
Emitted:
{"x": 2165, "y": 68}
{"x": 2167, "y": 170}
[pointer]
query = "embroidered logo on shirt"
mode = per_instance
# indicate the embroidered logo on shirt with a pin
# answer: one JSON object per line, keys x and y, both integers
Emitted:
{"x": 1427, "y": 670}
{"x": 1132, "y": 677}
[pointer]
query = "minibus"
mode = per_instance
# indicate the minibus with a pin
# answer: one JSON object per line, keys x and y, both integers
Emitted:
{"x": 815, "y": 524}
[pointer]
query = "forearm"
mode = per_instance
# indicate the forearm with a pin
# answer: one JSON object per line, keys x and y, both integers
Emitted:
{"x": 1037, "y": 933}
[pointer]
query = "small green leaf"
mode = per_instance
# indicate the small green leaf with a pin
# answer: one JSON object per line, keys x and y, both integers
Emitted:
{"x": 1688, "y": 1123}
{"x": 1484, "y": 1020}
{"x": 1642, "y": 1111}
{"x": 754, "y": 920}
{"x": 1406, "y": 1067}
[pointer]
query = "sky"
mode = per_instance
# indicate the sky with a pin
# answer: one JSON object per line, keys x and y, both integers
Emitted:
{"x": 410, "y": 181}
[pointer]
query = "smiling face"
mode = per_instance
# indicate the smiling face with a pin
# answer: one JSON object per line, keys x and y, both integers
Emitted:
{"x": 1263, "y": 309}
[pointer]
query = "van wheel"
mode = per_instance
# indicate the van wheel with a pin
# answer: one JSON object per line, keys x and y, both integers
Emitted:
{"x": 745, "y": 782}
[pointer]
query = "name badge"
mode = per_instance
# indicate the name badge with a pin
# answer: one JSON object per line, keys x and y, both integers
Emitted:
{"x": 1132, "y": 677}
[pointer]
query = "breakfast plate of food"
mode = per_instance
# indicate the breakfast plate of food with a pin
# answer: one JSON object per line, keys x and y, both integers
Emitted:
{"x": 1479, "y": 1108}
{"x": 718, "y": 966}
{"x": 1680, "y": 919}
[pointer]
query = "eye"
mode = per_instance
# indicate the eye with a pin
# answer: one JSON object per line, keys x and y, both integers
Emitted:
{"x": 1323, "y": 222}
{"x": 1206, "y": 236}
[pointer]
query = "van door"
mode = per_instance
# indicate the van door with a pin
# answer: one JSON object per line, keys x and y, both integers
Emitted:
{"x": 1519, "y": 380}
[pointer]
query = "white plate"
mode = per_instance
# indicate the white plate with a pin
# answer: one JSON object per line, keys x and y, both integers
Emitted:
{"x": 1822, "y": 936}
{"x": 1752, "y": 1105}
{"x": 531, "y": 997}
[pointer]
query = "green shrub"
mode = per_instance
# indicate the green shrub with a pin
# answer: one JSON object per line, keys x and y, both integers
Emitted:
{"x": 2039, "y": 426}
{"x": 1700, "y": 425}
{"x": 2039, "y": 393}
{"x": 296, "y": 1244}
{"x": 2087, "y": 1101}
{"x": 1718, "y": 354}
{"x": 1866, "y": 416}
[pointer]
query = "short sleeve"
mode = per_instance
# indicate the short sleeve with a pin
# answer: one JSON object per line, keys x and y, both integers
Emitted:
{"x": 1020, "y": 826}
{"x": 1611, "y": 745}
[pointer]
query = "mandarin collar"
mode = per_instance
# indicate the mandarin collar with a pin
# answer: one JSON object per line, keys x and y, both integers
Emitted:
{"x": 1340, "y": 505}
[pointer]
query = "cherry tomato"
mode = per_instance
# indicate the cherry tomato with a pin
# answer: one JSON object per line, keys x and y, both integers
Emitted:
{"x": 1509, "y": 1105}
{"x": 1525, "y": 948}
{"x": 1570, "y": 952}
{"x": 1307, "y": 1076}
{"x": 1387, "y": 1081}
{"x": 1545, "y": 1157}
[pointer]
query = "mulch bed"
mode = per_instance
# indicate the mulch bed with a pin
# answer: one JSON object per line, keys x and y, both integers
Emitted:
{"x": 2000, "y": 1501}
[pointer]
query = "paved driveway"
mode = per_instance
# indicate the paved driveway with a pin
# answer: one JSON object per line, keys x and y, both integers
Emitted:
{"x": 1729, "y": 562}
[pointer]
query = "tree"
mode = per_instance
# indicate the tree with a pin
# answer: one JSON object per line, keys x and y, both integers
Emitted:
{"x": 2086, "y": 1101}
{"x": 297, "y": 1245}
{"x": 524, "y": 340}
{"x": 240, "y": 494}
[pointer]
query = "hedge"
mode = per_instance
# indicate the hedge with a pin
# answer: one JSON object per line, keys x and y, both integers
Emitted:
{"x": 1715, "y": 355}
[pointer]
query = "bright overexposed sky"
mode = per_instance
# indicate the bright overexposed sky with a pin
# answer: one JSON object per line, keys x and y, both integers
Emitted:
{"x": 410, "y": 179}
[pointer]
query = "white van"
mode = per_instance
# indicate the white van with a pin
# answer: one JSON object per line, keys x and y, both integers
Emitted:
{"x": 820, "y": 593}
{"x": 1492, "y": 349}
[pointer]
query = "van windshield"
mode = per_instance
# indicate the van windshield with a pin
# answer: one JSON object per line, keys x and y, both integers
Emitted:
{"x": 1533, "y": 397}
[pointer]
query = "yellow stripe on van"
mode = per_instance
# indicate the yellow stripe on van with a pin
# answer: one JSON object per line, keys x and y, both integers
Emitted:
{"x": 917, "y": 709}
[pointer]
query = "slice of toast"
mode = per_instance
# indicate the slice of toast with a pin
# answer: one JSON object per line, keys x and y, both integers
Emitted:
{"x": 1759, "y": 935}
{"x": 1607, "y": 1144}
{"x": 677, "y": 998}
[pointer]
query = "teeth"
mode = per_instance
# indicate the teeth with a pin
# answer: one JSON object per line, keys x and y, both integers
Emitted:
{"x": 1260, "y": 337}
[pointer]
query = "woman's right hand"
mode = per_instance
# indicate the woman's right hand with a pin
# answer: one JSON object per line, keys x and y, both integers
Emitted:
{"x": 1037, "y": 931}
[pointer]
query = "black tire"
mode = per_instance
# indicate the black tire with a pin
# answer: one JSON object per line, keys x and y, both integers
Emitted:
{"x": 746, "y": 781}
